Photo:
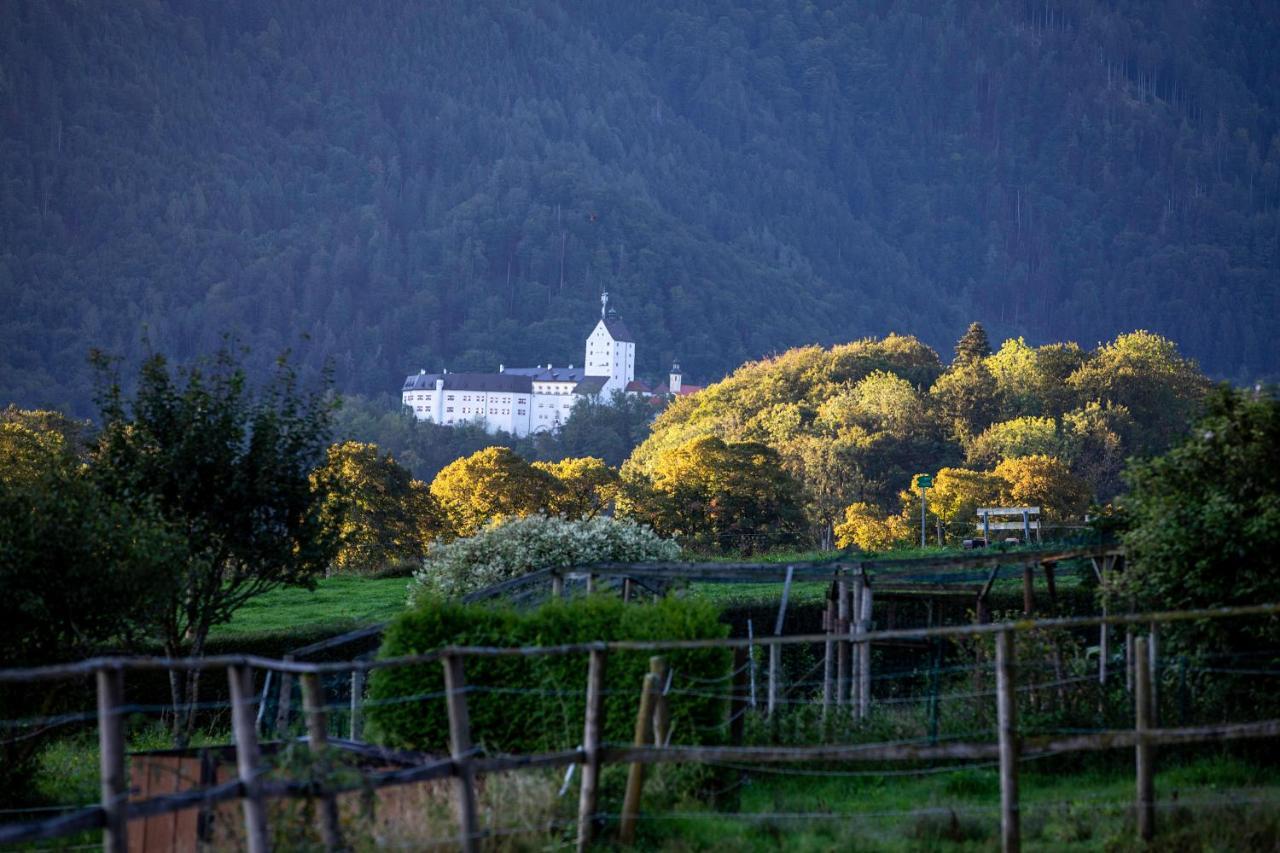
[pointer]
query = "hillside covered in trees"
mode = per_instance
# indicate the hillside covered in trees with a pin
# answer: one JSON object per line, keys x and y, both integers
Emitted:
{"x": 405, "y": 185}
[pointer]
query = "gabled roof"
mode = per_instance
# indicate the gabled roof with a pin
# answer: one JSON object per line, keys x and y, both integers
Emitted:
{"x": 638, "y": 386}
{"x": 591, "y": 385}
{"x": 497, "y": 382}
{"x": 617, "y": 329}
{"x": 420, "y": 382}
{"x": 685, "y": 389}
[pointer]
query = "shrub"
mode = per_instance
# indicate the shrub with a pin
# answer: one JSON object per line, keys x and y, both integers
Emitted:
{"x": 537, "y": 703}
{"x": 512, "y": 547}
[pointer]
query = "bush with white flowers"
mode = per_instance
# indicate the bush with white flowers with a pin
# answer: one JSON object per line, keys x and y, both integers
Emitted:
{"x": 511, "y": 547}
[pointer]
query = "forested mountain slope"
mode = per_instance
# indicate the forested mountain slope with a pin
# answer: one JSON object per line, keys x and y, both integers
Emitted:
{"x": 424, "y": 184}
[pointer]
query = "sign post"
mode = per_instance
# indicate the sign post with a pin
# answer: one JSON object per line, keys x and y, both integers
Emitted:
{"x": 923, "y": 482}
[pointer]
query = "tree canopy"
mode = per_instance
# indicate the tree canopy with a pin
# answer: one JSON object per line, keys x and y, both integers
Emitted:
{"x": 456, "y": 183}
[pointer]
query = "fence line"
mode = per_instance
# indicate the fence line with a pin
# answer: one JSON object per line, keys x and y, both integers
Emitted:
{"x": 464, "y": 762}
{"x": 92, "y": 665}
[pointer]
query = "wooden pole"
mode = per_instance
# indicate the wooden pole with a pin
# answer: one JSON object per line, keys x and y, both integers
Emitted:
{"x": 455, "y": 685}
{"x": 240, "y": 679}
{"x": 751, "y": 661}
{"x": 864, "y": 656}
{"x": 738, "y": 702}
{"x": 1007, "y": 722}
{"x": 591, "y": 584}
{"x": 1051, "y": 585}
{"x": 661, "y": 708}
{"x": 1146, "y": 793}
{"x": 318, "y": 741}
{"x": 1153, "y": 671}
{"x": 842, "y": 641}
{"x": 286, "y": 700}
{"x": 1028, "y": 589}
{"x": 557, "y": 586}
{"x": 635, "y": 775}
{"x": 855, "y": 658}
{"x": 828, "y": 653}
{"x": 114, "y": 787}
{"x": 1104, "y": 647}
{"x": 775, "y": 674}
{"x": 626, "y": 590}
{"x": 357, "y": 704}
{"x": 1128, "y": 659}
{"x": 593, "y": 725}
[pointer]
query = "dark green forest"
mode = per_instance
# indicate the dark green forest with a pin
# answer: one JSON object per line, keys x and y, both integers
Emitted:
{"x": 393, "y": 185}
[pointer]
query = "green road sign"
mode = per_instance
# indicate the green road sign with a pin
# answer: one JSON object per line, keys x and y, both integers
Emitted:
{"x": 924, "y": 481}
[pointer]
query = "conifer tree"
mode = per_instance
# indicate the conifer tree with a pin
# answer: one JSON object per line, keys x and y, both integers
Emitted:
{"x": 974, "y": 345}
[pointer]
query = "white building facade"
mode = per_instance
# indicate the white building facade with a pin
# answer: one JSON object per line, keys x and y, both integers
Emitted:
{"x": 524, "y": 400}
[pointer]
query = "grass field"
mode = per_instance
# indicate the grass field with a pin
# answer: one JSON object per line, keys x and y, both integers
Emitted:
{"x": 344, "y": 602}
{"x": 1207, "y": 804}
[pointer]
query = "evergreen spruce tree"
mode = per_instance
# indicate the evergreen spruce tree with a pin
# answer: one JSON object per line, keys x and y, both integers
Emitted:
{"x": 973, "y": 346}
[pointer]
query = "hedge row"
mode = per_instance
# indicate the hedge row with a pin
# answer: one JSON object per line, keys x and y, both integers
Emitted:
{"x": 537, "y": 703}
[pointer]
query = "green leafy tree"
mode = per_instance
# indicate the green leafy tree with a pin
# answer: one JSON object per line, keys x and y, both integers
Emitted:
{"x": 1025, "y": 436}
{"x": 1094, "y": 438}
{"x": 79, "y": 572}
{"x": 966, "y": 399}
{"x": 491, "y": 484}
{"x": 717, "y": 494}
{"x": 1046, "y": 482}
{"x": 588, "y": 487}
{"x": 1204, "y": 522}
{"x": 867, "y": 527}
{"x": 227, "y": 467}
{"x": 1146, "y": 374}
{"x": 380, "y": 514}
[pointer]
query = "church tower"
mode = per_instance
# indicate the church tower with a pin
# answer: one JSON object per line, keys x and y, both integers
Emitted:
{"x": 611, "y": 350}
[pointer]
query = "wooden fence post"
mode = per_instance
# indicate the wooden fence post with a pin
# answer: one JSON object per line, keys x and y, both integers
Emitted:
{"x": 115, "y": 791}
{"x": 1146, "y": 792}
{"x": 864, "y": 655}
{"x": 1028, "y": 589}
{"x": 635, "y": 775}
{"x": 828, "y": 652}
{"x": 661, "y": 708}
{"x": 775, "y": 675}
{"x": 841, "y": 629}
{"x": 357, "y": 704}
{"x": 591, "y": 584}
{"x": 1153, "y": 671}
{"x": 455, "y": 685}
{"x": 593, "y": 725}
{"x": 557, "y": 586}
{"x": 751, "y": 661}
{"x": 626, "y": 590}
{"x": 286, "y": 699}
{"x": 240, "y": 680}
{"x": 1128, "y": 658}
{"x": 855, "y": 658}
{"x": 1007, "y": 722}
{"x": 738, "y": 701}
{"x": 318, "y": 741}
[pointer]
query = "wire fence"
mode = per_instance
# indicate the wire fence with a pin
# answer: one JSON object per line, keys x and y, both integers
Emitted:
{"x": 979, "y": 700}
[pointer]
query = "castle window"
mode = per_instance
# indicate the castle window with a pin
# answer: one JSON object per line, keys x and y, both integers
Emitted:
{"x": 448, "y": 408}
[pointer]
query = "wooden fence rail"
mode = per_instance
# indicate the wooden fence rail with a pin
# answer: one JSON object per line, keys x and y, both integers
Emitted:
{"x": 463, "y": 765}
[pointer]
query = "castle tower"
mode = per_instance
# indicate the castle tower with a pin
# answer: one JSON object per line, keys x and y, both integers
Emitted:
{"x": 611, "y": 350}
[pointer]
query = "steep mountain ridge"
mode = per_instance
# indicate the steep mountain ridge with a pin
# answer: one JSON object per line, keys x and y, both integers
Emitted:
{"x": 394, "y": 185}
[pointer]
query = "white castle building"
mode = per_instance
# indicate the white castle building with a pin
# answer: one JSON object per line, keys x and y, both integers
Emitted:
{"x": 528, "y": 399}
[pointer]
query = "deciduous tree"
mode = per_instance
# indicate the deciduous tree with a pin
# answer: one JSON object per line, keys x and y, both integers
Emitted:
{"x": 228, "y": 467}
{"x": 490, "y": 484}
